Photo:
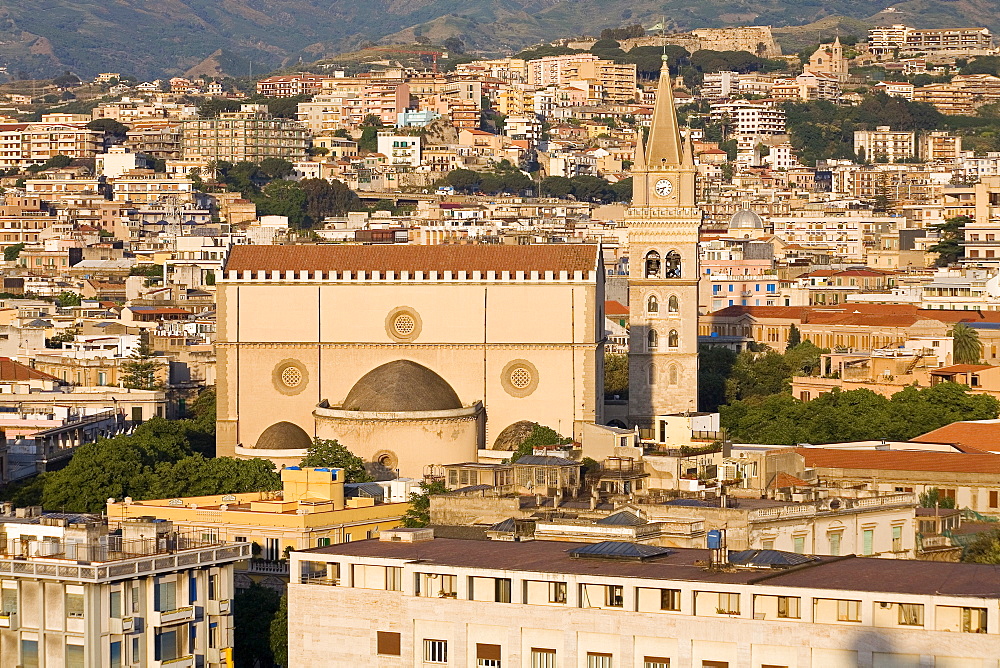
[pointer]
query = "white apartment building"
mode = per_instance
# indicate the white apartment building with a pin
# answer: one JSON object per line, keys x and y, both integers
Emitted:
{"x": 748, "y": 117}
{"x": 884, "y": 144}
{"x": 400, "y": 149}
{"x": 73, "y": 595}
{"x": 846, "y": 234}
{"x": 719, "y": 85}
{"x": 409, "y": 599}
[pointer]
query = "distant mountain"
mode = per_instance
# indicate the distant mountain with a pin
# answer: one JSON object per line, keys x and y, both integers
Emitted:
{"x": 152, "y": 38}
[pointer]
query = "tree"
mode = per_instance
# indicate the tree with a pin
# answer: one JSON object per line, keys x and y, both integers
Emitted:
{"x": 68, "y": 298}
{"x": 540, "y": 435}
{"x": 757, "y": 374}
{"x": 616, "y": 375}
{"x": 950, "y": 248}
{"x": 109, "y": 126}
{"x": 419, "y": 513}
{"x": 932, "y": 499}
{"x": 254, "y": 610}
{"x": 11, "y": 252}
{"x": 284, "y": 198}
{"x": 328, "y": 198}
{"x": 794, "y": 337}
{"x": 966, "y": 348}
{"x": 715, "y": 364}
{"x": 329, "y": 452}
{"x": 368, "y": 141}
{"x": 985, "y": 549}
{"x": 279, "y": 632}
{"x": 276, "y": 168}
{"x": 464, "y": 180}
{"x": 139, "y": 372}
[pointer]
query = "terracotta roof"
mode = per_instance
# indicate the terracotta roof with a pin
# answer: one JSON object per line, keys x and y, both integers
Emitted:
{"x": 11, "y": 370}
{"x": 900, "y": 460}
{"x": 981, "y": 435}
{"x": 399, "y": 258}
{"x": 613, "y": 308}
{"x": 783, "y": 480}
{"x": 959, "y": 368}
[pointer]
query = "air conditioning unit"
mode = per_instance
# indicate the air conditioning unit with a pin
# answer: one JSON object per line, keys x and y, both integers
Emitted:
{"x": 885, "y": 605}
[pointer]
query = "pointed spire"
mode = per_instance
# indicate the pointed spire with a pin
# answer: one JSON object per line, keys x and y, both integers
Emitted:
{"x": 688, "y": 158}
{"x": 664, "y": 136}
{"x": 639, "y": 163}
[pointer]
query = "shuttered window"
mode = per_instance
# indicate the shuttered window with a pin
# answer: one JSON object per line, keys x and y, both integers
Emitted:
{"x": 388, "y": 643}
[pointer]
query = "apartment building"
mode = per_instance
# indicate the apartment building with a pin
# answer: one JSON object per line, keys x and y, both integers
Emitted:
{"x": 412, "y": 599}
{"x": 963, "y": 95}
{"x": 884, "y": 144}
{"x": 898, "y": 38}
{"x": 746, "y": 117}
{"x": 291, "y": 85}
{"x": 719, "y": 85}
{"x": 845, "y": 233}
{"x": 159, "y": 139}
{"x": 25, "y": 144}
{"x": 74, "y": 593}
{"x": 249, "y": 135}
{"x": 401, "y": 150}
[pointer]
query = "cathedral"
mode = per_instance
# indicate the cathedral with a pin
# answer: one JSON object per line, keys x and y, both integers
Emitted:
{"x": 413, "y": 356}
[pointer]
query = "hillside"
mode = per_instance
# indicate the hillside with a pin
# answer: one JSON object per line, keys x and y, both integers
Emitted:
{"x": 44, "y": 37}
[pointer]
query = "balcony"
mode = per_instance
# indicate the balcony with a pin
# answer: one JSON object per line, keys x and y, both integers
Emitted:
{"x": 8, "y": 621}
{"x": 122, "y": 625}
{"x": 218, "y": 607}
{"x": 180, "y": 662}
{"x": 176, "y": 616}
{"x": 219, "y": 655}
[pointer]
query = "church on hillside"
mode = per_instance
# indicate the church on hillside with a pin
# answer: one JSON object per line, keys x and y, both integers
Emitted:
{"x": 413, "y": 356}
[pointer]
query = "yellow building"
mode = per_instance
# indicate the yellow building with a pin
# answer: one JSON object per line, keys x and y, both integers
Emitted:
{"x": 310, "y": 511}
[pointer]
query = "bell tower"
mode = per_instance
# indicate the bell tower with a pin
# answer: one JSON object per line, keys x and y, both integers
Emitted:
{"x": 663, "y": 224}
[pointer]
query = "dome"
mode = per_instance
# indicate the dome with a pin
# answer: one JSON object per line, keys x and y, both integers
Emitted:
{"x": 283, "y": 436}
{"x": 513, "y": 435}
{"x": 400, "y": 387}
{"x": 745, "y": 219}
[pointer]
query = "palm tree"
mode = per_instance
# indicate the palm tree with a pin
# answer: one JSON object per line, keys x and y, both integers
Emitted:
{"x": 966, "y": 348}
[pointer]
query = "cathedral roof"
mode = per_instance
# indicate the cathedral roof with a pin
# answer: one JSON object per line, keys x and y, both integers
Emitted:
{"x": 401, "y": 386}
{"x": 664, "y": 135}
{"x": 283, "y": 436}
{"x": 398, "y": 258}
{"x": 745, "y": 219}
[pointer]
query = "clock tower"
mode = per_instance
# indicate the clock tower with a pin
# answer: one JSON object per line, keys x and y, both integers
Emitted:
{"x": 663, "y": 224}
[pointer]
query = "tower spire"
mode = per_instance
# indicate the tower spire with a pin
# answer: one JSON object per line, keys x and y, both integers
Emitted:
{"x": 664, "y": 136}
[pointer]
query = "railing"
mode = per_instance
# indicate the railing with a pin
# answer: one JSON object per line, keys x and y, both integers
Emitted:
{"x": 267, "y": 566}
{"x": 320, "y": 579}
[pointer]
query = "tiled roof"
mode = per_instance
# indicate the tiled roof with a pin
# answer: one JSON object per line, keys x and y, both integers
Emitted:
{"x": 900, "y": 460}
{"x": 11, "y": 370}
{"x": 783, "y": 480}
{"x": 959, "y": 368}
{"x": 613, "y": 308}
{"x": 980, "y": 434}
{"x": 399, "y": 258}
{"x": 876, "y": 315}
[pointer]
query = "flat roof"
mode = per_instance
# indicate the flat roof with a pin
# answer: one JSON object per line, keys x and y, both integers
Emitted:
{"x": 849, "y": 573}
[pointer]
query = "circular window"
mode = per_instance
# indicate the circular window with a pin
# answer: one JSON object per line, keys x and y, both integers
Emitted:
{"x": 403, "y": 324}
{"x": 519, "y": 378}
{"x": 291, "y": 376}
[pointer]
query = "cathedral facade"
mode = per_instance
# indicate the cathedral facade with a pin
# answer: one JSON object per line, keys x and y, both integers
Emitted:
{"x": 408, "y": 355}
{"x": 663, "y": 226}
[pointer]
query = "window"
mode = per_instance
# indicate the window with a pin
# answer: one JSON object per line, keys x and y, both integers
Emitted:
{"x": 393, "y": 578}
{"x": 8, "y": 601}
{"x": 788, "y": 607}
{"x": 29, "y": 654}
{"x": 213, "y": 586}
{"x": 435, "y": 651}
{"x": 74, "y": 605}
{"x": 897, "y": 539}
{"x": 652, "y": 340}
{"x": 652, "y": 264}
{"x": 165, "y": 594}
{"x": 557, "y": 592}
{"x": 656, "y": 662}
{"x": 729, "y": 604}
{"x": 834, "y": 539}
{"x": 387, "y": 643}
{"x": 911, "y": 614}
{"x": 848, "y": 611}
{"x": 767, "y": 544}
{"x": 74, "y": 656}
{"x": 672, "y": 304}
{"x": 598, "y": 660}
{"x": 672, "y": 374}
{"x": 994, "y": 499}
{"x": 714, "y": 664}
{"x": 169, "y": 645}
{"x": 543, "y": 658}
{"x": 487, "y": 656}
{"x": 974, "y": 620}
{"x": 135, "y": 597}
{"x": 322, "y": 542}
{"x": 272, "y": 549}
{"x": 652, "y": 304}
{"x": 867, "y": 540}
{"x": 116, "y": 655}
{"x": 651, "y": 374}
{"x": 614, "y": 596}
{"x": 192, "y": 588}
{"x": 115, "y": 605}
{"x": 799, "y": 544}
{"x": 673, "y": 339}
{"x": 501, "y": 590}
{"x": 672, "y": 265}
{"x": 670, "y": 599}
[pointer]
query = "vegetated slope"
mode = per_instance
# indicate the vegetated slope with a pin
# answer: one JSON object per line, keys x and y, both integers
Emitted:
{"x": 43, "y": 37}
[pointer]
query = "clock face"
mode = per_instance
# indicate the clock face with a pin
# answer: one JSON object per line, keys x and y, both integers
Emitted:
{"x": 664, "y": 187}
